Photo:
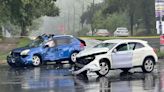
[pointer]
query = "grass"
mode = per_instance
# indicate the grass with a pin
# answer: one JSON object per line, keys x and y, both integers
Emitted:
{"x": 160, "y": 54}
{"x": 23, "y": 42}
{"x": 3, "y": 55}
{"x": 129, "y": 37}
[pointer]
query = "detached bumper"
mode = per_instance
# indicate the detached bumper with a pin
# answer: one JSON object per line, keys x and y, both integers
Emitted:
{"x": 92, "y": 66}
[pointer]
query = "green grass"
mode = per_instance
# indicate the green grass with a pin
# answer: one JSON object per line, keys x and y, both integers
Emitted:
{"x": 160, "y": 54}
{"x": 3, "y": 55}
{"x": 23, "y": 42}
{"x": 129, "y": 37}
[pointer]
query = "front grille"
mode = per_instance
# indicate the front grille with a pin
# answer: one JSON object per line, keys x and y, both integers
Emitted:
{"x": 84, "y": 61}
{"x": 15, "y": 54}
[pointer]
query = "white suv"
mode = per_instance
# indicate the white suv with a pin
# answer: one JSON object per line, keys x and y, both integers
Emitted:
{"x": 116, "y": 54}
{"x": 121, "y": 31}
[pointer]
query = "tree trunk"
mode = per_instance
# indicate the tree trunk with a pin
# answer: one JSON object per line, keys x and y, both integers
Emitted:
{"x": 146, "y": 17}
{"x": 131, "y": 13}
{"x": 131, "y": 23}
{"x": 23, "y": 30}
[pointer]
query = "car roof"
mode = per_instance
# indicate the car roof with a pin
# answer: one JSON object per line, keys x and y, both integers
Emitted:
{"x": 124, "y": 41}
{"x": 62, "y": 36}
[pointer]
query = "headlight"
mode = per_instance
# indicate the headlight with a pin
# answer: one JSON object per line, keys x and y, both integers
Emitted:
{"x": 25, "y": 52}
{"x": 10, "y": 53}
{"x": 90, "y": 57}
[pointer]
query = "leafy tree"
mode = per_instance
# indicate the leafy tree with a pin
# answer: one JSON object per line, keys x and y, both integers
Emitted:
{"x": 23, "y": 12}
{"x": 113, "y": 13}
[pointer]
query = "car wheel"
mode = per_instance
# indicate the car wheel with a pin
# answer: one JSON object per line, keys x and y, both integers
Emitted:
{"x": 36, "y": 61}
{"x": 105, "y": 66}
{"x": 148, "y": 65}
{"x": 125, "y": 69}
{"x": 73, "y": 57}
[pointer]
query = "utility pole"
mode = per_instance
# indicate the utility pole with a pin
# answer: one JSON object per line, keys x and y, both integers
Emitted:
{"x": 82, "y": 14}
{"x": 92, "y": 21}
{"x": 68, "y": 26}
{"x": 74, "y": 19}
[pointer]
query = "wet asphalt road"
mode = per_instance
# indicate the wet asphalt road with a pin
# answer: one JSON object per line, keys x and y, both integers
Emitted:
{"x": 55, "y": 78}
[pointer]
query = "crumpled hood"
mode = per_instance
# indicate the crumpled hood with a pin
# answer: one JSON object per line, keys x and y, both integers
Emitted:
{"x": 92, "y": 51}
{"x": 19, "y": 50}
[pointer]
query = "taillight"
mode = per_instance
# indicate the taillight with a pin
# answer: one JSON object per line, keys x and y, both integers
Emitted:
{"x": 155, "y": 50}
{"x": 81, "y": 45}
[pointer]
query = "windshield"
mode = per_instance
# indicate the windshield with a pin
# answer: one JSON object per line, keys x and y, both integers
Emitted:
{"x": 36, "y": 43}
{"x": 107, "y": 45}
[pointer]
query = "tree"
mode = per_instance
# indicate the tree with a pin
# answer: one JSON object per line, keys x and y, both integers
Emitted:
{"x": 138, "y": 13}
{"x": 23, "y": 12}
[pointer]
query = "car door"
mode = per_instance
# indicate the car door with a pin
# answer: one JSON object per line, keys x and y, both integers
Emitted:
{"x": 138, "y": 54}
{"x": 122, "y": 56}
{"x": 63, "y": 47}
{"x": 51, "y": 50}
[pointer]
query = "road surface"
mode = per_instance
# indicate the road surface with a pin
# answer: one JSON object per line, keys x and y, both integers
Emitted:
{"x": 58, "y": 78}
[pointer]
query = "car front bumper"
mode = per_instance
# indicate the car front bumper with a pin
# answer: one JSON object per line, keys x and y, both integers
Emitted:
{"x": 91, "y": 66}
{"x": 19, "y": 61}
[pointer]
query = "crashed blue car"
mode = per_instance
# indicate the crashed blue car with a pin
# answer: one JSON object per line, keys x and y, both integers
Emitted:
{"x": 46, "y": 49}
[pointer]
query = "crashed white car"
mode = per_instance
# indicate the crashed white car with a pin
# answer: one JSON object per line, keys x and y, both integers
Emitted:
{"x": 116, "y": 54}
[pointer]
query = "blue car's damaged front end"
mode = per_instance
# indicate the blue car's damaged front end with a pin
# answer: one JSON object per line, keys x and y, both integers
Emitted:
{"x": 37, "y": 52}
{"x": 22, "y": 56}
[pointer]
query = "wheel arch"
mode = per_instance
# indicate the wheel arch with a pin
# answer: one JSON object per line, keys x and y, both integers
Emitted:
{"x": 150, "y": 56}
{"x": 73, "y": 51}
{"x": 108, "y": 61}
{"x": 37, "y": 54}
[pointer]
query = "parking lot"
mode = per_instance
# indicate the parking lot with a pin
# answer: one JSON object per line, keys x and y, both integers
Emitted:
{"x": 58, "y": 78}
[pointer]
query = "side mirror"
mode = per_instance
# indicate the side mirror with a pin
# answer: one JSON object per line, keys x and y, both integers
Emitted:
{"x": 114, "y": 51}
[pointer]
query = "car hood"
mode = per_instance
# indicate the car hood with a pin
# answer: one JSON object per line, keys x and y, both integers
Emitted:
{"x": 19, "y": 50}
{"x": 92, "y": 51}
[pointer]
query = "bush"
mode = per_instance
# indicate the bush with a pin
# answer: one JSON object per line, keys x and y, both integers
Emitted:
{"x": 160, "y": 54}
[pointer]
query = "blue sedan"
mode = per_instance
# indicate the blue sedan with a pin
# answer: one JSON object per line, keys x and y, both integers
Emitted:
{"x": 46, "y": 49}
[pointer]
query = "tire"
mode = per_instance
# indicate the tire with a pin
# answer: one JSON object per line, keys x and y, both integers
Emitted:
{"x": 125, "y": 69}
{"x": 36, "y": 60}
{"x": 148, "y": 65}
{"x": 105, "y": 67}
{"x": 73, "y": 58}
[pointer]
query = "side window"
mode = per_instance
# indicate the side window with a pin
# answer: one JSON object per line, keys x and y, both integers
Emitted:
{"x": 122, "y": 47}
{"x": 51, "y": 43}
{"x": 131, "y": 46}
{"x": 139, "y": 45}
{"x": 62, "y": 41}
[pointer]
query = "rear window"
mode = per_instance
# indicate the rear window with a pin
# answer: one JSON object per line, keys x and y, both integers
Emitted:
{"x": 135, "y": 45}
{"x": 139, "y": 45}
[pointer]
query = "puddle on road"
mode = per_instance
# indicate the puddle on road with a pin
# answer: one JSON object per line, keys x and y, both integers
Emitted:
{"x": 49, "y": 79}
